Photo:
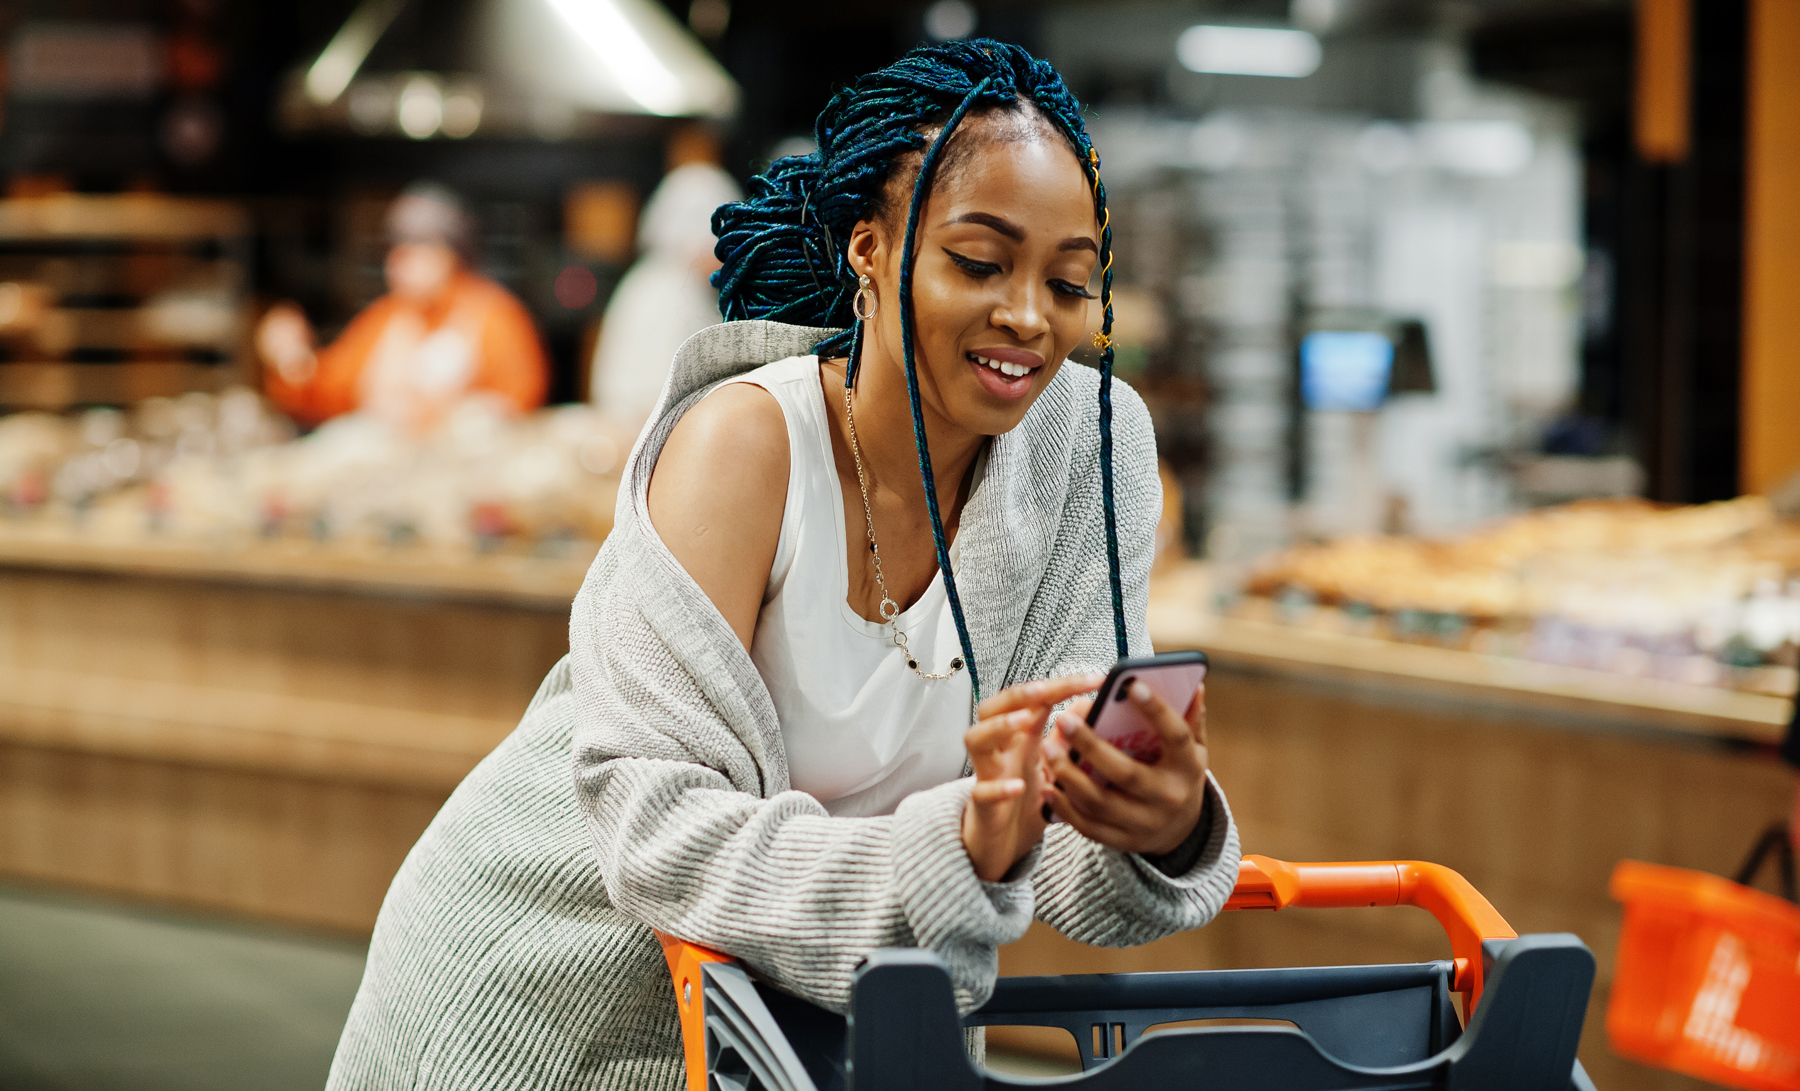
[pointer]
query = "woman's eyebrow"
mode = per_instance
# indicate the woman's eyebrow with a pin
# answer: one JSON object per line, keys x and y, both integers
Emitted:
{"x": 1017, "y": 234}
{"x": 999, "y": 223}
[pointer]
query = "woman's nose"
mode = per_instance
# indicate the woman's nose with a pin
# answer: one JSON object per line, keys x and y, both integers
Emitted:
{"x": 1022, "y": 313}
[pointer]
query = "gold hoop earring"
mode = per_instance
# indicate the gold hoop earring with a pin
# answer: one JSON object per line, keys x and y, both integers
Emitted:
{"x": 856, "y": 304}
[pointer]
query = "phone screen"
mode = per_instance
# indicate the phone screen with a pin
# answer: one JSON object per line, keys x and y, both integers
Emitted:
{"x": 1173, "y": 677}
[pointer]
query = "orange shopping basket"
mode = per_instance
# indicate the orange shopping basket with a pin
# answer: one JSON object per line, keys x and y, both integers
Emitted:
{"x": 1708, "y": 977}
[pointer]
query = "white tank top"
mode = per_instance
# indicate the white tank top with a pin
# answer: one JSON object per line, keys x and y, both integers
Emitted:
{"x": 862, "y": 731}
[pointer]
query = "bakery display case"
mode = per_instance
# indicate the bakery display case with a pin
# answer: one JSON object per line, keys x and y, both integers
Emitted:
{"x": 1697, "y": 595}
{"x": 241, "y": 670}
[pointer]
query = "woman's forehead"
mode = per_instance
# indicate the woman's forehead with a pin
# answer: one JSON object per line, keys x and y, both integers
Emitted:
{"x": 1035, "y": 183}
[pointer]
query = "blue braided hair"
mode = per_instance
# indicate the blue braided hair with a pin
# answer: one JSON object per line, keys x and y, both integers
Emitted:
{"x": 783, "y": 249}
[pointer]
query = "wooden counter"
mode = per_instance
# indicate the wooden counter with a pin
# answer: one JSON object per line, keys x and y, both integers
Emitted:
{"x": 263, "y": 730}
{"x": 1180, "y": 617}
{"x": 267, "y": 730}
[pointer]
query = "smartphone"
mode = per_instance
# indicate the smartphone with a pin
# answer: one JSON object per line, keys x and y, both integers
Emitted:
{"x": 1172, "y": 676}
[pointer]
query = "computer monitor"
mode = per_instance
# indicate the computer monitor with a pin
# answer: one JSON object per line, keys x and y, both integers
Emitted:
{"x": 1345, "y": 369}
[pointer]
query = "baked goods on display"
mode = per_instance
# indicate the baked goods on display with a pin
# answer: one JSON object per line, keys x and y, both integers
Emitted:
{"x": 1705, "y": 594}
{"x": 229, "y": 469}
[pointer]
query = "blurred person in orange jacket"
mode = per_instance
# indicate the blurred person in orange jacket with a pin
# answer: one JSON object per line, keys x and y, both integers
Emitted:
{"x": 442, "y": 333}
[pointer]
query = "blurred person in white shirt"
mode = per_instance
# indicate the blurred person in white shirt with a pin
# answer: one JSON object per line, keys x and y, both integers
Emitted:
{"x": 665, "y": 297}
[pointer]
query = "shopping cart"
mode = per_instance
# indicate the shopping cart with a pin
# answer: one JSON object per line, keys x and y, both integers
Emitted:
{"x": 1390, "y": 1027}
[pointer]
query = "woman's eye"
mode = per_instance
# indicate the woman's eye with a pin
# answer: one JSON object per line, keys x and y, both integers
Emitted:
{"x": 971, "y": 266}
{"x": 1073, "y": 291}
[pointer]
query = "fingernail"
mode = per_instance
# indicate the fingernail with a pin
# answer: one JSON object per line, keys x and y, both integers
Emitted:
{"x": 1014, "y": 785}
{"x": 1067, "y": 723}
{"x": 1140, "y": 692}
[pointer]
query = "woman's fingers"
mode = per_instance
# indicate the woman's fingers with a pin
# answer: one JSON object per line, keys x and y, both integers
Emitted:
{"x": 997, "y": 791}
{"x": 998, "y": 734}
{"x": 1169, "y": 724}
{"x": 1100, "y": 804}
{"x": 1196, "y": 717}
{"x": 1044, "y": 692}
{"x": 1118, "y": 767}
{"x": 1094, "y": 829}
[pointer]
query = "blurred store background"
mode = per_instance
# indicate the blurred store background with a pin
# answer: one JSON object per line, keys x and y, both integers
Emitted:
{"x": 1467, "y": 328}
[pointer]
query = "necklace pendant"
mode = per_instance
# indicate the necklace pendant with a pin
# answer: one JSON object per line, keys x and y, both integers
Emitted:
{"x": 889, "y": 609}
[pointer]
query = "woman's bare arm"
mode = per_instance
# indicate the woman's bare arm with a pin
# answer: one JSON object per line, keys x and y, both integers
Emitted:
{"x": 717, "y": 494}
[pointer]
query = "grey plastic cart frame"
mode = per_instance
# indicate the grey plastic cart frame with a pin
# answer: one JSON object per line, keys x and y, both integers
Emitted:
{"x": 1393, "y": 1028}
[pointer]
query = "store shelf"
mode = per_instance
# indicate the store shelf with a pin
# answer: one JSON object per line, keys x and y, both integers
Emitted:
{"x": 533, "y": 582}
{"x": 59, "y": 385}
{"x": 1181, "y": 617}
{"x": 129, "y": 216}
{"x": 113, "y": 299}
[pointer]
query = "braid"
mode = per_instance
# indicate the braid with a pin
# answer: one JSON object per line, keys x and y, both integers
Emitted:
{"x": 1103, "y": 340}
{"x": 920, "y": 188}
{"x": 782, "y": 250}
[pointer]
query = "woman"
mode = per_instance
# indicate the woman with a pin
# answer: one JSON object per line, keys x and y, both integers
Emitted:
{"x": 757, "y": 741}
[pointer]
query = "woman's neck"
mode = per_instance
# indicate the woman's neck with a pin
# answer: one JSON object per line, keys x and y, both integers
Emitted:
{"x": 884, "y": 432}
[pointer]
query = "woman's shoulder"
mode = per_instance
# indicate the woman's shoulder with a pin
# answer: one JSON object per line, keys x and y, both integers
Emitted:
{"x": 717, "y": 493}
{"x": 736, "y": 431}
{"x": 801, "y": 371}
{"x": 1071, "y": 403}
{"x": 732, "y": 348}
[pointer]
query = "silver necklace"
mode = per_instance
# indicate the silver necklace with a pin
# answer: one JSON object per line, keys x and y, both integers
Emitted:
{"x": 890, "y": 610}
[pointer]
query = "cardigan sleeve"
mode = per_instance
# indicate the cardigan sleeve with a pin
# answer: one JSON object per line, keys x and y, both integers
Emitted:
{"x": 697, "y": 836}
{"x": 1088, "y": 892}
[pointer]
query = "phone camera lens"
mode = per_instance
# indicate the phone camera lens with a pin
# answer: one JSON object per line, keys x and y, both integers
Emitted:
{"x": 1124, "y": 689}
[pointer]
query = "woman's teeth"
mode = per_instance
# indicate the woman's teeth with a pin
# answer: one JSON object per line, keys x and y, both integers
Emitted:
{"x": 1009, "y": 370}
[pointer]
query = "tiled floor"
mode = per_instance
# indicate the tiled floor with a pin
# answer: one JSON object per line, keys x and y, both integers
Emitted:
{"x": 99, "y": 996}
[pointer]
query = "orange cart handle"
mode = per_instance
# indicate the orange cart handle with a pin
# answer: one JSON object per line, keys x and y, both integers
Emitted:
{"x": 1464, "y": 914}
{"x": 1262, "y": 884}
{"x": 685, "y": 960}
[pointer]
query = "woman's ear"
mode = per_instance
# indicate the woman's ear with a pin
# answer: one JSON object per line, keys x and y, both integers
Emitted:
{"x": 867, "y": 249}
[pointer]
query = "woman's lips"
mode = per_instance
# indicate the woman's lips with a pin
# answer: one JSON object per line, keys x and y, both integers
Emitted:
{"x": 1005, "y": 372}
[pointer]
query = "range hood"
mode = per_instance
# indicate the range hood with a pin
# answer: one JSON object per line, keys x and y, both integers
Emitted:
{"x": 548, "y": 69}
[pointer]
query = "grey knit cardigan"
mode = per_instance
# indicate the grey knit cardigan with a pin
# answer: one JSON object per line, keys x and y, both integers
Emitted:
{"x": 647, "y": 787}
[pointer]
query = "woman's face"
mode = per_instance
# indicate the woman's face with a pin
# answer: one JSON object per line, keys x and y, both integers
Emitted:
{"x": 420, "y": 271}
{"x": 1006, "y": 245}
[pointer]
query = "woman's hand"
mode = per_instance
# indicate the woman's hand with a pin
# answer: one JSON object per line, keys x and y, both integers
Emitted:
{"x": 1146, "y": 809}
{"x": 1005, "y": 816}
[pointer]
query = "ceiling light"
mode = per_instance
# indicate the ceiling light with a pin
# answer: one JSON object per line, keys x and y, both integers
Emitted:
{"x": 949, "y": 19}
{"x": 1248, "y": 51}
{"x": 462, "y": 112}
{"x": 337, "y": 65}
{"x": 618, "y": 46}
{"x": 421, "y": 108}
